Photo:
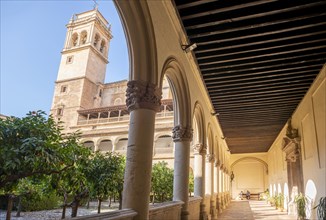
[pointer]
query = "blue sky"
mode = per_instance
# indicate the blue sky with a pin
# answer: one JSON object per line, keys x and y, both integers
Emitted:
{"x": 32, "y": 37}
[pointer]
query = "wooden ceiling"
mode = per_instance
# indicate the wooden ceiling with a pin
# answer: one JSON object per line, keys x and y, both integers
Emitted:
{"x": 257, "y": 58}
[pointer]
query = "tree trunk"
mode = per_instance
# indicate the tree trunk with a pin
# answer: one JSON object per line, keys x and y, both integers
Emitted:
{"x": 9, "y": 207}
{"x": 153, "y": 199}
{"x": 19, "y": 208}
{"x": 114, "y": 198}
{"x": 64, "y": 207}
{"x": 88, "y": 204}
{"x": 74, "y": 208}
{"x": 99, "y": 202}
{"x": 120, "y": 200}
{"x": 63, "y": 215}
{"x": 110, "y": 201}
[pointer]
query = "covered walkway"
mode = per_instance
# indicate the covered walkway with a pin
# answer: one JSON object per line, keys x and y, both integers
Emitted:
{"x": 252, "y": 209}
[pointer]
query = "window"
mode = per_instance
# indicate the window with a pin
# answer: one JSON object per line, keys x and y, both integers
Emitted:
{"x": 100, "y": 93}
{"x": 63, "y": 89}
{"x": 69, "y": 59}
{"x": 74, "y": 40}
{"x": 96, "y": 40}
{"x": 117, "y": 101}
{"x": 83, "y": 38}
{"x": 59, "y": 111}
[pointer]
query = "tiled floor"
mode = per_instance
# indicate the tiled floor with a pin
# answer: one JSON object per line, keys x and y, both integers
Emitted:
{"x": 252, "y": 210}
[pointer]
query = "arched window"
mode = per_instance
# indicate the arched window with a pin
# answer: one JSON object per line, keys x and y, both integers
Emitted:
{"x": 83, "y": 37}
{"x": 96, "y": 40}
{"x": 74, "y": 40}
{"x": 117, "y": 101}
{"x": 102, "y": 46}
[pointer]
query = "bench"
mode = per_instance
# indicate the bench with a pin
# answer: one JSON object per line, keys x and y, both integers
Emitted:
{"x": 253, "y": 196}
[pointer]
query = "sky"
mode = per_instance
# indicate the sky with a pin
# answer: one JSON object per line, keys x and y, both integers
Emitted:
{"x": 32, "y": 38}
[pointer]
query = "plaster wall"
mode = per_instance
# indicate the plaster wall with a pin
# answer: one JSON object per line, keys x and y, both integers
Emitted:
{"x": 310, "y": 119}
{"x": 250, "y": 173}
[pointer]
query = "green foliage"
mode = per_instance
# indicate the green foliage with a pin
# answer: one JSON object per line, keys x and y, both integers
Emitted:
{"x": 279, "y": 201}
{"x": 191, "y": 183}
{"x": 34, "y": 145}
{"x": 321, "y": 208}
{"x": 301, "y": 202}
{"x": 162, "y": 182}
{"x": 40, "y": 201}
{"x": 104, "y": 173}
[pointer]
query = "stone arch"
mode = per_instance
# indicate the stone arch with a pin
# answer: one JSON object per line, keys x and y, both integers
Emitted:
{"x": 121, "y": 144}
{"x": 209, "y": 140}
{"x": 141, "y": 43}
{"x": 90, "y": 144}
{"x": 180, "y": 91}
{"x": 117, "y": 101}
{"x": 83, "y": 37}
{"x": 105, "y": 145}
{"x": 199, "y": 134}
{"x": 251, "y": 158}
{"x": 164, "y": 144}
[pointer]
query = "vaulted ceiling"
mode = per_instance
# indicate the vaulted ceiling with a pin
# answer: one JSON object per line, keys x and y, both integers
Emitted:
{"x": 257, "y": 59}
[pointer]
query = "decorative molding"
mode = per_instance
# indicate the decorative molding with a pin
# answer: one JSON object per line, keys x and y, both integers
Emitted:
{"x": 210, "y": 158}
{"x": 143, "y": 95}
{"x": 291, "y": 143}
{"x": 180, "y": 133}
{"x": 199, "y": 149}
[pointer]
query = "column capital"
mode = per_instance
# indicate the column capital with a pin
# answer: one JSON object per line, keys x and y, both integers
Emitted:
{"x": 180, "y": 133}
{"x": 210, "y": 158}
{"x": 199, "y": 149}
{"x": 142, "y": 94}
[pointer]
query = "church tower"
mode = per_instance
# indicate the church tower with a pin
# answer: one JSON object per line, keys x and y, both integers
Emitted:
{"x": 81, "y": 74}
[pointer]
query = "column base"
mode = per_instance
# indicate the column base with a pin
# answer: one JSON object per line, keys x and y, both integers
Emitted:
{"x": 184, "y": 215}
{"x": 203, "y": 213}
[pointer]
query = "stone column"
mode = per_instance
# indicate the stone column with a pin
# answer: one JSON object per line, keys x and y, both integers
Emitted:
{"x": 199, "y": 176}
{"x": 216, "y": 183}
{"x": 143, "y": 101}
{"x": 209, "y": 187}
{"x": 182, "y": 137}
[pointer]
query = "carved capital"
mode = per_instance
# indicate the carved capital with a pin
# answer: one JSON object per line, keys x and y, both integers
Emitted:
{"x": 143, "y": 95}
{"x": 210, "y": 158}
{"x": 180, "y": 133}
{"x": 199, "y": 149}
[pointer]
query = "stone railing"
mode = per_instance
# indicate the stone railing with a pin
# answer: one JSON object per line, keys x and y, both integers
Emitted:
{"x": 124, "y": 214}
{"x": 194, "y": 207}
{"x": 167, "y": 210}
{"x": 123, "y": 118}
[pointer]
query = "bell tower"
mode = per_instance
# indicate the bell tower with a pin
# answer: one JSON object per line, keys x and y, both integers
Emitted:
{"x": 81, "y": 74}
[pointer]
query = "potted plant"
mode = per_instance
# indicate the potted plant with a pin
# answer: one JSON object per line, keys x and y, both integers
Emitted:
{"x": 280, "y": 201}
{"x": 321, "y": 209}
{"x": 301, "y": 202}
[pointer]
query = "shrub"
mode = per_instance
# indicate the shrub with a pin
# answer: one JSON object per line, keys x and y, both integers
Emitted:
{"x": 37, "y": 201}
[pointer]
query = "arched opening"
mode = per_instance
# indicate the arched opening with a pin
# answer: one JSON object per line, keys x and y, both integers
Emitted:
{"x": 121, "y": 146}
{"x": 105, "y": 146}
{"x": 164, "y": 145}
{"x": 83, "y": 37}
{"x": 96, "y": 40}
{"x": 102, "y": 47}
{"x": 89, "y": 144}
{"x": 74, "y": 40}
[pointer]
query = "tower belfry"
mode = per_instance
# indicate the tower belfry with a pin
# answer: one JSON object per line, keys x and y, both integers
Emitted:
{"x": 82, "y": 68}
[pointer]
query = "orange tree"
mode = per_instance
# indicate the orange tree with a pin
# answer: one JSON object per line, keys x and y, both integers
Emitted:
{"x": 34, "y": 146}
